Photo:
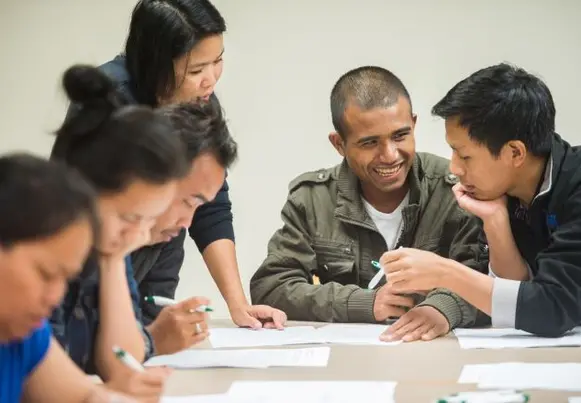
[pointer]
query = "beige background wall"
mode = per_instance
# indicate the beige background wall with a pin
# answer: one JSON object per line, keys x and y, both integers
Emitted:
{"x": 282, "y": 57}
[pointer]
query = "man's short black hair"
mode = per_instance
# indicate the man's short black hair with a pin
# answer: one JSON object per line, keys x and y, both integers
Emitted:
{"x": 160, "y": 32}
{"x": 502, "y": 103}
{"x": 368, "y": 87}
{"x": 202, "y": 129}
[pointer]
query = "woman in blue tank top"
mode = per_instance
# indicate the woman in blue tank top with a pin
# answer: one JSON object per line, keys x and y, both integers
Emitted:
{"x": 47, "y": 226}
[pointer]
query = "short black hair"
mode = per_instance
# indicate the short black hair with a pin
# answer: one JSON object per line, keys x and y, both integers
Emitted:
{"x": 202, "y": 129}
{"x": 112, "y": 144}
{"x": 39, "y": 198}
{"x": 501, "y": 103}
{"x": 368, "y": 87}
{"x": 160, "y": 32}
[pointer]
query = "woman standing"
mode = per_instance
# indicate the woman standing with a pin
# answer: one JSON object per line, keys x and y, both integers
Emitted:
{"x": 174, "y": 53}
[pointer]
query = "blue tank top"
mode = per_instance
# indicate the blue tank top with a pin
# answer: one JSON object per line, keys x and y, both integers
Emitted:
{"x": 18, "y": 360}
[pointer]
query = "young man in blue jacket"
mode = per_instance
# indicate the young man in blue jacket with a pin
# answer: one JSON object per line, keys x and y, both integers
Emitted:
{"x": 523, "y": 181}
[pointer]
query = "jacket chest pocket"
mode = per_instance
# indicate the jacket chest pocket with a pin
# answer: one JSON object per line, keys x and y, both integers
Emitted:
{"x": 335, "y": 262}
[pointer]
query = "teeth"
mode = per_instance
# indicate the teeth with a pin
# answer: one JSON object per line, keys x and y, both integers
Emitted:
{"x": 387, "y": 171}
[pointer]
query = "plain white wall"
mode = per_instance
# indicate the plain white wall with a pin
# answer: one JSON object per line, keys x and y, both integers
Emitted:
{"x": 281, "y": 60}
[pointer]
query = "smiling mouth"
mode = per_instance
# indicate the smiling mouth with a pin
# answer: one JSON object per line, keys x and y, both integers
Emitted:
{"x": 388, "y": 172}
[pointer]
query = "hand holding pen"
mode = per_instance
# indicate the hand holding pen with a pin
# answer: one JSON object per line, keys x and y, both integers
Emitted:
{"x": 179, "y": 325}
{"x": 146, "y": 385}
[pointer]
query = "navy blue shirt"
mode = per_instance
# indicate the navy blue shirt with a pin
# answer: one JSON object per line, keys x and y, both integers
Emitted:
{"x": 75, "y": 322}
{"x": 18, "y": 360}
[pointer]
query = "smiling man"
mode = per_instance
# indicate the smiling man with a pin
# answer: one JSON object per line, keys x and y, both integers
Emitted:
{"x": 523, "y": 180}
{"x": 382, "y": 196}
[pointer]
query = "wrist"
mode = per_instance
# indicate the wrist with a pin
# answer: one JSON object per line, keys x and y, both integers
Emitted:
{"x": 496, "y": 221}
{"x": 238, "y": 303}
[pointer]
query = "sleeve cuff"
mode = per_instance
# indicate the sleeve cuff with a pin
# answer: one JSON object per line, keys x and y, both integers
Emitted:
{"x": 448, "y": 306}
{"x": 492, "y": 274}
{"x": 148, "y": 342}
{"x": 504, "y": 302}
{"x": 360, "y": 306}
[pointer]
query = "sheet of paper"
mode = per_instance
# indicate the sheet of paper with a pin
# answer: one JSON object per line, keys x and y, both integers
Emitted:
{"x": 251, "y": 358}
{"x": 314, "y": 391}
{"x": 554, "y": 376}
{"x": 576, "y": 399}
{"x": 243, "y": 338}
{"x": 223, "y": 398}
{"x": 354, "y": 334}
{"x": 512, "y": 338}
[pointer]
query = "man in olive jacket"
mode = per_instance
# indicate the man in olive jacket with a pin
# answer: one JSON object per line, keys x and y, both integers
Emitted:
{"x": 383, "y": 196}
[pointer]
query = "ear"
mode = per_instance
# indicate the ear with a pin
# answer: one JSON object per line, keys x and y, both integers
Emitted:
{"x": 518, "y": 152}
{"x": 337, "y": 141}
{"x": 414, "y": 118}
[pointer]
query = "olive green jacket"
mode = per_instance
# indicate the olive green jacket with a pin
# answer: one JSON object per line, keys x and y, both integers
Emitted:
{"x": 328, "y": 233}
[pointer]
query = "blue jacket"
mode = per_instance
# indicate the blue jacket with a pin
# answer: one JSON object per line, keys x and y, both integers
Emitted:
{"x": 76, "y": 321}
{"x": 157, "y": 268}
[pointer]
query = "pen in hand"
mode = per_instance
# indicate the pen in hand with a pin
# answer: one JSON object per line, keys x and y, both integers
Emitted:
{"x": 127, "y": 359}
{"x": 163, "y": 301}
{"x": 377, "y": 278}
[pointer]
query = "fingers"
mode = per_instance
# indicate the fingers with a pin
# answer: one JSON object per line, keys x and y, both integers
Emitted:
{"x": 191, "y": 303}
{"x": 391, "y": 256}
{"x": 278, "y": 319}
{"x": 400, "y": 300}
{"x": 396, "y": 312}
{"x": 433, "y": 333}
{"x": 407, "y": 328}
{"x": 152, "y": 378}
{"x": 418, "y": 332}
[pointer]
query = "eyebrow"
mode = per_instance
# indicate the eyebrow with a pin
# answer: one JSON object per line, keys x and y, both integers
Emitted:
{"x": 191, "y": 66}
{"x": 199, "y": 196}
{"x": 402, "y": 130}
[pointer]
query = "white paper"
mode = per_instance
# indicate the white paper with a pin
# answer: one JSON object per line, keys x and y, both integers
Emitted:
{"x": 354, "y": 334}
{"x": 575, "y": 399}
{"x": 362, "y": 334}
{"x": 512, "y": 338}
{"x": 553, "y": 376}
{"x": 492, "y": 396}
{"x": 314, "y": 391}
{"x": 242, "y": 337}
{"x": 223, "y": 398}
{"x": 190, "y": 359}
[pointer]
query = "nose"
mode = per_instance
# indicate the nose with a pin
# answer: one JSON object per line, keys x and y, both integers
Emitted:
{"x": 209, "y": 77}
{"x": 389, "y": 152}
{"x": 456, "y": 166}
{"x": 185, "y": 220}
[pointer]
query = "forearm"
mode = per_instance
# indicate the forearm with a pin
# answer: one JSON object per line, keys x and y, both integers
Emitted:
{"x": 474, "y": 287}
{"x": 300, "y": 300}
{"x": 220, "y": 257}
{"x": 117, "y": 325}
{"x": 505, "y": 258}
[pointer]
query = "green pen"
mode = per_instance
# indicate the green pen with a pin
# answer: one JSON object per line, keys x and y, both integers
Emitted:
{"x": 376, "y": 264}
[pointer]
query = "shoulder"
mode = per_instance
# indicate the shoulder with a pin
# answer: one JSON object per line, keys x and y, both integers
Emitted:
{"x": 35, "y": 347}
{"x": 116, "y": 70}
{"x": 436, "y": 168}
{"x": 321, "y": 178}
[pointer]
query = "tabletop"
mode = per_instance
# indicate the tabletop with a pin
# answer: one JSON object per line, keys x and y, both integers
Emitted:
{"x": 424, "y": 371}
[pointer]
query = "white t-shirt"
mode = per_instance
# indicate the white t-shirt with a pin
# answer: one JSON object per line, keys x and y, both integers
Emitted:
{"x": 389, "y": 225}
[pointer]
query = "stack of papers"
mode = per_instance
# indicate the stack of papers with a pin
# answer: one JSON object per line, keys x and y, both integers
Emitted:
{"x": 512, "y": 338}
{"x": 292, "y": 392}
{"x": 516, "y": 375}
{"x": 190, "y": 359}
{"x": 330, "y": 334}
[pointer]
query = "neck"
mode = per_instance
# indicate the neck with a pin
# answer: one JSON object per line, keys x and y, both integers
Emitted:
{"x": 529, "y": 177}
{"x": 385, "y": 202}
